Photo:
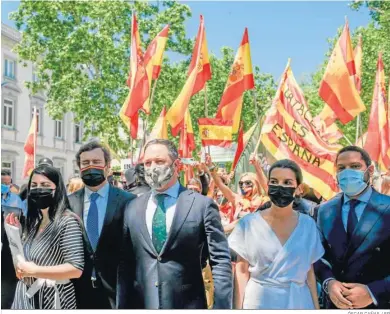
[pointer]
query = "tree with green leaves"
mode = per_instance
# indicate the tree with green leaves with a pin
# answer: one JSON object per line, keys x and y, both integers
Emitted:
{"x": 81, "y": 51}
{"x": 376, "y": 38}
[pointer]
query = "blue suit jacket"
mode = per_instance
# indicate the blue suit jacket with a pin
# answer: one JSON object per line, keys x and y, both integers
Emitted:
{"x": 366, "y": 259}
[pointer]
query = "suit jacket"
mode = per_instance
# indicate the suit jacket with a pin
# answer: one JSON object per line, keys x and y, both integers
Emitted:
{"x": 173, "y": 278}
{"x": 366, "y": 258}
{"x": 106, "y": 258}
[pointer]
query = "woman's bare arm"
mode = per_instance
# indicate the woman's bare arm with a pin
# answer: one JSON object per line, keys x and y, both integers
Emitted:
{"x": 312, "y": 283}
{"x": 241, "y": 279}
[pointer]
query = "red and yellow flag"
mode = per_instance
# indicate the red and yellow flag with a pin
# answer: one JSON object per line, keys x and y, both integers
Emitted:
{"x": 200, "y": 59}
{"x": 187, "y": 139}
{"x": 240, "y": 146}
{"x": 240, "y": 79}
{"x": 199, "y": 73}
{"x": 378, "y": 145}
{"x": 215, "y": 132}
{"x": 153, "y": 59}
{"x": 160, "y": 129}
{"x": 338, "y": 88}
{"x": 358, "y": 52}
{"x": 326, "y": 125}
{"x": 30, "y": 147}
{"x": 288, "y": 133}
{"x": 138, "y": 83}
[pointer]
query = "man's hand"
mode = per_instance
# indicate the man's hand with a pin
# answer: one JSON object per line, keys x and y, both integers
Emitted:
{"x": 336, "y": 290}
{"x": 358, "y": 294}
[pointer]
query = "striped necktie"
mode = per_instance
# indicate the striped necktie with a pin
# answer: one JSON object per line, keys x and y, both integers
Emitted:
{"x": 352, "y": 218}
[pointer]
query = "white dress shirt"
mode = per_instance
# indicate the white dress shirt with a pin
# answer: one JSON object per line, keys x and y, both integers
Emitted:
{"x": 169, "y": 203}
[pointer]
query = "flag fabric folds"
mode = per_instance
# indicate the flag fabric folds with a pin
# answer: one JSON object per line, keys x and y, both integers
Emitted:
{"x": 198, "y": 75}
{"x": 200, "y": 59}
{"x": 358, "y": 52}
{"x": 160, "y": 129}
{"x": 215, "y": 132}
{"x": 240, "y": 146}
{"x": 337, "y": 87}
{"x": 153, "y": 59}
{"x": 326, "y": 125}
{"x": 378, "y": 145}
{"x": 240, "y": 79}
{"x": 288, "y": 133}
{"x": 30, "y": 147}
{"x": 187, "y": 139}
{"x": 138, "y": 83}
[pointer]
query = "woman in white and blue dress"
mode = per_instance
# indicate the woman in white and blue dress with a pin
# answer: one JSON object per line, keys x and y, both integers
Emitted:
{"x": 276, "y": 249}
{"x": 52, "y": 244}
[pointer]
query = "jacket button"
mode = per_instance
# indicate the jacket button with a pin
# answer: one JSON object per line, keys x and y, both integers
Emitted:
{"x": 156, "y": 283}
{"x": 342, "y": 272}
{"x": 159, "y": 258}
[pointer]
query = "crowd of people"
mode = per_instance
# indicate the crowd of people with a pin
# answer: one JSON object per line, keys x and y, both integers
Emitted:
{"x": 145, "y": 241}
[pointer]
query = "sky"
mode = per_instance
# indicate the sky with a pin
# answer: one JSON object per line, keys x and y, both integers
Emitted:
{"x": 277, "y": 30}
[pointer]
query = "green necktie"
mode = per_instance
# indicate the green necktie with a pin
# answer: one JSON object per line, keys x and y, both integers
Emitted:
{"x": 159, "y": 226}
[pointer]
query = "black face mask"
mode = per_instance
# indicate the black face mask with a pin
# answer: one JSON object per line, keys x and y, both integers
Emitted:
{"x": 42, "y": 197}
{"x": 281, "y": 196}
{"x": 92, "y": 176}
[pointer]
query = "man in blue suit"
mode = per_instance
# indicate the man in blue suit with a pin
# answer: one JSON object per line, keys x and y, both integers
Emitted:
{"x": 355, "y": 229}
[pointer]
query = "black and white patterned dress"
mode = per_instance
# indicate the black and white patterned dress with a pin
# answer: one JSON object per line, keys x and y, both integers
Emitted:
{"x": 51, "y": 248}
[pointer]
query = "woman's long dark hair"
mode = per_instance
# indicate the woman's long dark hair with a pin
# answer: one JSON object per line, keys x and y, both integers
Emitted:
{"x": 60, "y": 204}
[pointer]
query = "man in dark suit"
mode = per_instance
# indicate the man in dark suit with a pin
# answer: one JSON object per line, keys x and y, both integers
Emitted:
{"x": 355, "y": 228}
{"x": 165, "y": 231}
{"x": 100, "y": 206}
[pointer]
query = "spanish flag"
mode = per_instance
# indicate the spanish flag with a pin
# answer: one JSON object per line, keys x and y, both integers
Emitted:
{"x": 240, "y": 146}
{"x": 338, "y": 88}
{"x": 30, "y": 147}
{"x": 153, "y": 59}
{"x": 160, "y": 129}
{"x": 378, "y": 145}
{"x": 288, "y": 133}
{"x": 200, "y": 59}
{"x": 358, "y": 52}
{"x": 240, "y": 79}
{"x": 326, "y": 125}
{"x": 138, "y": 83}
{"x": 197, "y": 78}
{"x": 187, "y": 139}
{"x": 215, "y": 132}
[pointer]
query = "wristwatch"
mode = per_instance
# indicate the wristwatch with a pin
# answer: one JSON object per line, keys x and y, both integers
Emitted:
{"x": 212, "y": 168}
{"x": 326, "y": 285}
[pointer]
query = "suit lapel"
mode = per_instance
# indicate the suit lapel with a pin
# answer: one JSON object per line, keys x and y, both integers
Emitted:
{"x": 79, "y": 211}
{"x": 371, "y": 214}
{"x": 334, "y": 232}
{"x": 183, "y": 207}
{"x": 141, "y": 213}
{"x": 112, "y": 204}
{"x": 78, "y": 207}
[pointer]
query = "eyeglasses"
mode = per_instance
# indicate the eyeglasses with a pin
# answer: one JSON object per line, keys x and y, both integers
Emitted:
{"x": 247, "y": 183}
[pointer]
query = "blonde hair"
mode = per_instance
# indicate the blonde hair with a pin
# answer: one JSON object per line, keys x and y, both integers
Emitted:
{"x": 75, "y": 184}
{"x": 254, "y": 179}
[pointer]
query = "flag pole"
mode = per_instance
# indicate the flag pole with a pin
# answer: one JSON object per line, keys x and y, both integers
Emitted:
{"x": 131, "y": 142}
{"x": 206, "y": 109}
{"x": 357, "y": 128}
{"x": 347, "y": 139}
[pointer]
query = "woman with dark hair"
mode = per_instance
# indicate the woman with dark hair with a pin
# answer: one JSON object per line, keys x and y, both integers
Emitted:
{"x": 52, "y": 245}
{"x": 276, "y": 249}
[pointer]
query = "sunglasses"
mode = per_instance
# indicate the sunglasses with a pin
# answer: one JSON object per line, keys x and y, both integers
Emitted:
{"x": 247, "y": 183}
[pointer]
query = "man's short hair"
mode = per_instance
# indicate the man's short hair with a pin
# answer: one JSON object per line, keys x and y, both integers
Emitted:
{"x": 6, "y": 172}
{"x": 172, "y": 150}
{"x": 365, "y": 156}
{"x": 91, "y": 146}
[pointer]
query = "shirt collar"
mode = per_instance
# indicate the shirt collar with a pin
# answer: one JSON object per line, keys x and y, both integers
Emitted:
{"x": 103, "y": 191}
{"x": 364, "y": 198}
{"x": 173, "y": 191}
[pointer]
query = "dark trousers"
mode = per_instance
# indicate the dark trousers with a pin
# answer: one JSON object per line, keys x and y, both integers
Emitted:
{"x": 89, "y": 298}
